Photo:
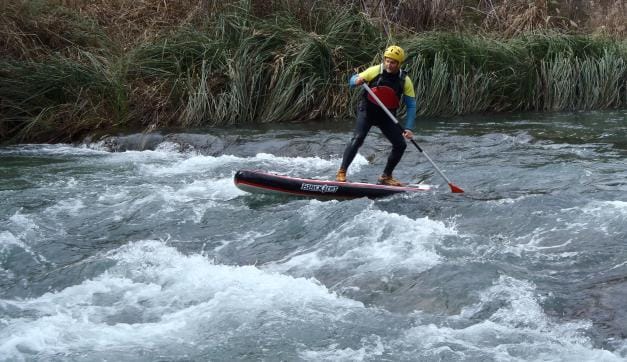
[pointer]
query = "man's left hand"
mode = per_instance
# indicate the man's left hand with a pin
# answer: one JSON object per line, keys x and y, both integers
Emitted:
{"x": 408, "y": 134}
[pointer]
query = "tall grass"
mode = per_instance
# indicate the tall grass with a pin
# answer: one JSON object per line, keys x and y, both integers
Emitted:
{"x": 471, "y": 73}
{"x": 583, "y": 83}
{"x": 247, "y": 69}
{"x": 60, "y": 98}
{"x": 576, "y": 72}
{"x": 550, "y": 72}
{"x": 236, "y": 62}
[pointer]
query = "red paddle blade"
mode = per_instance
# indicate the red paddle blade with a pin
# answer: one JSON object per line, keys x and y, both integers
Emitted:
{"x": 386, "y": 95}
{"x": 455, "y": 189}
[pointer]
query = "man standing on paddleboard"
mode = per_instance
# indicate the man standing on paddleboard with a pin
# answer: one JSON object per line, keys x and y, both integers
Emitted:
{"x": 392, "y": 86}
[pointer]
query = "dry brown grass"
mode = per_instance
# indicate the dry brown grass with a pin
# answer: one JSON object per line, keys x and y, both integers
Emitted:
{"x": 512, "y": 17}
{"x": 415, "y": 15}
{"x": 610, "y": 19}
{"x": 507, "y": 17}
{"x": 132, "y": 22}
{"x": 152, "y": 104}
{"x": 29, "y": 29}
{"x": 127, "y": 23}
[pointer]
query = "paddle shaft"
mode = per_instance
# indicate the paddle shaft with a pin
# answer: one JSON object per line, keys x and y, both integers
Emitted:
{"x": 387, "y": 111}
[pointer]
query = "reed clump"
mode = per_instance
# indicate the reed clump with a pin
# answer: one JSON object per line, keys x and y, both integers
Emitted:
{"x": 71, "y": 68}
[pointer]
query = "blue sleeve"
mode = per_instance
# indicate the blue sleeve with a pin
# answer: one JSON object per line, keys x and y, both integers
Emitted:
{"x": 351, "y": 81}
{"x": 410, "y": 103}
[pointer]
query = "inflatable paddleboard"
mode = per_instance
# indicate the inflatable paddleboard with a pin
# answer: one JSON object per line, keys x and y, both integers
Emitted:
{"x": 255, "y": 181}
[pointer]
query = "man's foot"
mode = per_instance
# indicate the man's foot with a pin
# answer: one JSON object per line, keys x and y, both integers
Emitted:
{"x": 389, "y": 181}
{"x": 341, "y": 175}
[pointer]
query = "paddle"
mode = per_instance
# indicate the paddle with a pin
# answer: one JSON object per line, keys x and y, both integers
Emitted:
{"x": 454, "y": 188}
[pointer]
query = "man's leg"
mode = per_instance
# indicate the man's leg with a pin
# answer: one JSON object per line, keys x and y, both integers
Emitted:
{"x": 362, "y": 127}
{"x": 393, "y": 133}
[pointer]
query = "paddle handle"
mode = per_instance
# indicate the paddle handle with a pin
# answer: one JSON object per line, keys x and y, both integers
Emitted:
{"x": 454, "y": 188}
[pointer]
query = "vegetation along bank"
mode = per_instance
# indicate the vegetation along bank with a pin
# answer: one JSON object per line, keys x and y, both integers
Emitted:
{"x": 74, "y": 68}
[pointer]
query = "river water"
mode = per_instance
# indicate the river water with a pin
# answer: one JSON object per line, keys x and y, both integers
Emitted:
{"x": 141, "y": 248}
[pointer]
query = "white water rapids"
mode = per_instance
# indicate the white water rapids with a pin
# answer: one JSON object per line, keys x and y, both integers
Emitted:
{"x": 154, "y": 254}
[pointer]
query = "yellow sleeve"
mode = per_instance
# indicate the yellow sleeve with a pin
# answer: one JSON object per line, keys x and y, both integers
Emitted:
{"x": 408, "y": 89}
{"x": 370, "y": 73}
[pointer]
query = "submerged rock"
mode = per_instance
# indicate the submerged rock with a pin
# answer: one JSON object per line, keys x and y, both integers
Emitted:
{"x": 205, "y": 144}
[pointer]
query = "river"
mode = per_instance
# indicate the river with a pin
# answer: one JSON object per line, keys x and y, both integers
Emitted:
{"x": 140, "y": 248}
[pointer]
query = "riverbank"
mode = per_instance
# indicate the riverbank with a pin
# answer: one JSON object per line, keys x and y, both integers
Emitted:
{"x": 72, "y": 69}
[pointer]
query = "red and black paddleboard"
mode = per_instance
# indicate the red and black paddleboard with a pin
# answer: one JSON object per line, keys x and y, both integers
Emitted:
{"x": 265, "y": 182}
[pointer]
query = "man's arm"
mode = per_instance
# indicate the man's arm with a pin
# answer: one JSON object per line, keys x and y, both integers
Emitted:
{"x": 410, "y": 103}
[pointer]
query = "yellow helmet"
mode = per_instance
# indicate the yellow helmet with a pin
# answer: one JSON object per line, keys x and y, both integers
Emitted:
{"x": 395, "y": 52}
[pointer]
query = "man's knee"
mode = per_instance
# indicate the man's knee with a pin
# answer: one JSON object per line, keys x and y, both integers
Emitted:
{"x": 400, "y": 146}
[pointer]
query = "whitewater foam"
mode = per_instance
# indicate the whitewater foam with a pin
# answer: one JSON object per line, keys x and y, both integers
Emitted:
{"x": 507, "y": 323}
{"x": 154, "y": 293}
{"x": 372, "y": 240}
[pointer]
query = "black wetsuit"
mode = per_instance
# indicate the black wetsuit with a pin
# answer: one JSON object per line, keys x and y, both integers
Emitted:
{"x": 370, "y": 114}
